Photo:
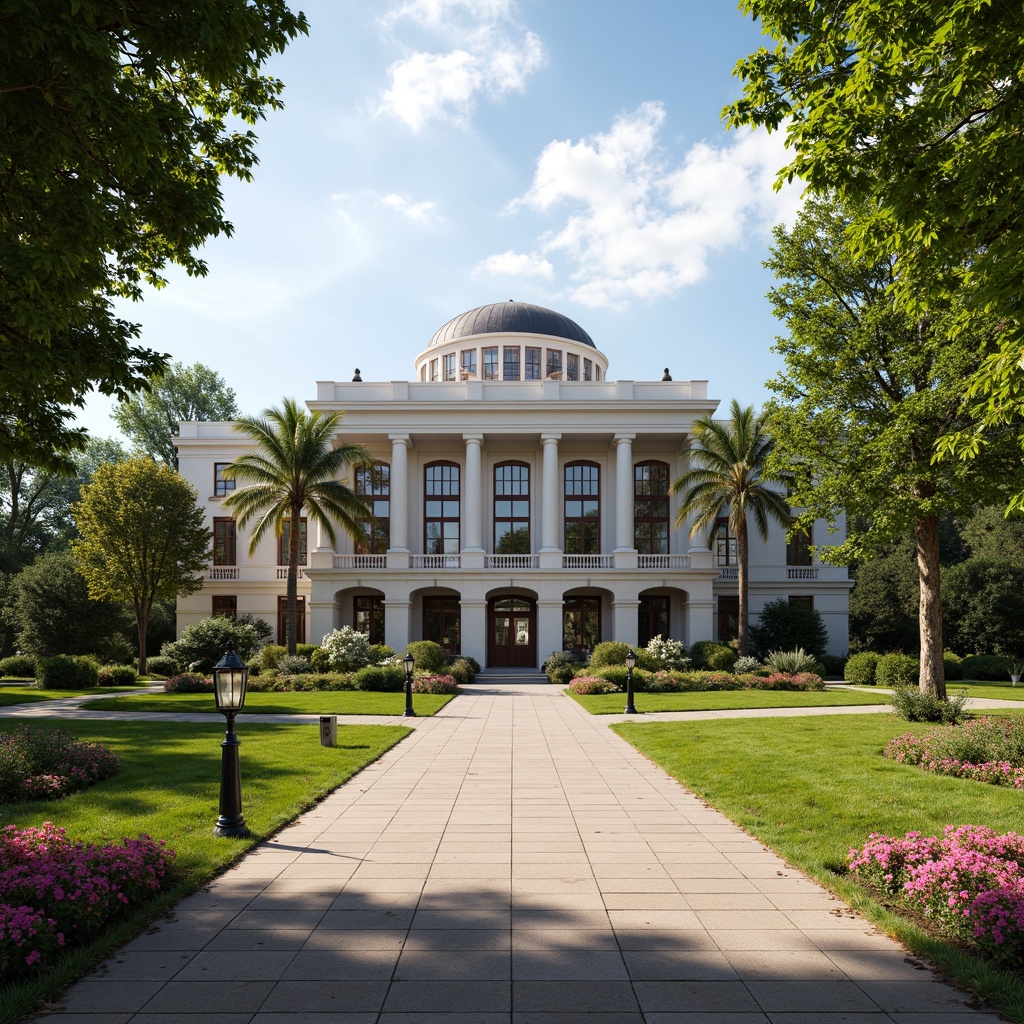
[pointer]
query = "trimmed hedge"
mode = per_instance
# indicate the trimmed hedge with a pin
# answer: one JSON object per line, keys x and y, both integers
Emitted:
{"x": 860, "y": 668}
{"x": 992, "y": 667}
{"x": 18, "y": 666}
{"x": 162, "y": 665}
{"x": 64, "y": 672}
{"x": 381, "y": 678}
{"x": 117, "y": 675}
{"x": 430, "y": 657}
{"x": 894, "y": 670}
{"x": 708, "y": 654}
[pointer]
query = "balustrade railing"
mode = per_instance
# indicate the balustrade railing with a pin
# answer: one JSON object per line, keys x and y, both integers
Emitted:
{"x": 801, "y": 572}
{"x": 588, "y": 561}
{"x": 511, "y": 561}
{"x": 663, "y": 561}
{"x": 360, "y": 561}
{"x": 222, "y": 572}
{"x": 282, "y": 573}
{"x": 434, "y": 561}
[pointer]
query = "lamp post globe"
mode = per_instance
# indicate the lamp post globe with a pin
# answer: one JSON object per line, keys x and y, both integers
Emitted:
{"x": 410, "y": 663}
{"x": 630, "y": 665}
{"x": 230, "y": 680}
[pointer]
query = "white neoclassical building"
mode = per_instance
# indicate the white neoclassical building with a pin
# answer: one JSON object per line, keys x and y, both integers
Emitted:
{"x": 522, "y": 505}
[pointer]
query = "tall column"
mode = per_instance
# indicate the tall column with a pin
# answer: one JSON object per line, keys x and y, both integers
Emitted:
{"x": 472, "y": 512}
{"x": 624, "y": 492}
{"x": 399, "y": 492}
{"x": 549, "y": 494}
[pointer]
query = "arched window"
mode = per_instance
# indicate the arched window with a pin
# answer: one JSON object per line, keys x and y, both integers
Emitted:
{"x": 373, "y": 485}
{"x": 512, "y": 508}
{"x": 582, "y": 508}
{"x": 441, "y": 509}
{"x": 650, "y": 508}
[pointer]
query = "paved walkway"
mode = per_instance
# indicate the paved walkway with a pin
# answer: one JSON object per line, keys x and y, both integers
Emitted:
{"x": 513, "y": 861}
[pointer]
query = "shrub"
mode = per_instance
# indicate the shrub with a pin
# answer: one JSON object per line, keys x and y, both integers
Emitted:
{"x": 618, "y": 674}
{"x": 293, "y": 665}
{"x": 746, "y": 664}
{"x": 610, "y": 652}
{"x": 380, "y": 653}
{"x": 18, "y": 666}
{"x": 461, "y": 670}
{"x": 473, "y": 663}
{"x": 161, "y": 665}
{"x": 990, "y": 667}
{"x": 118, "y": 675}
{"x": 434, "y": 684}
{"x": 301, "y": 683}
{"x": 562, "y": 666}
{"x": 202, "y": 644}
{"x": 913, "y": 705}
{"x": 834, "y": 665}
{"x": 987, "y": 750}
{"x": 88, "y": 670}
{"x": 380, "y": 678}
{"x": 46, "y": 764}
{"x": 588, "y": 685}
{"x": 953, "y": 665}
{"x": 708, "y": 654}
{"x": 269, "y": 656}
{"x": 797, "y": 660}
{"x": 188, "y": 682}
{"x": 430, "y": 657}
{"x": 784, "y": 625}
{"x": 306, "y": 650}
{"x": 897, "y": 670}
{"x": 61, "y": 672}
{"x": 665, "y": 653}
{"x": 347, "y": 649}
{"x": 860, "y": 668}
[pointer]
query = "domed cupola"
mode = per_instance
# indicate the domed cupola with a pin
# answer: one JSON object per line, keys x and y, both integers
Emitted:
{"x": 511, "y": 318}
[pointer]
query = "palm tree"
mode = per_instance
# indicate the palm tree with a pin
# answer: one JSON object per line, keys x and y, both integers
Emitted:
{"x": 727, "y": 474}
{"x": 294, "y": 468}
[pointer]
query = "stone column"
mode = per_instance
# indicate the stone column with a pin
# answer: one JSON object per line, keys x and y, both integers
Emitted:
{"x": 549, "y": 494}
{"x": 624, "y": 492}
{"x": 624, "y": 620}
{"x": 396, "y": 623}
{"x": 400, "y": 444}
{"x": 472, "y": 511}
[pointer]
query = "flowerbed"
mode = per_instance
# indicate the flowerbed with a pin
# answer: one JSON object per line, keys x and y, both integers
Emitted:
{"x": 46, "y": 764}
{"x": 694, "y": 682}
{"x": 989, "y": 750}
{"x": 970, "y": 883}
{"x": 55, "y": 893}
{"x": 435, "y": 684}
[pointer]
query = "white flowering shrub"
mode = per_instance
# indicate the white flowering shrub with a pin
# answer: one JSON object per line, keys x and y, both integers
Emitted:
{"x": 346, "y": 649}
{"x": 666, "y": 653}
{"x": 746, "y": 664}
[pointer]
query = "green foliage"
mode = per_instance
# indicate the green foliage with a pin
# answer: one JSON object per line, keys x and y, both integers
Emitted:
{"x": 664, "y": 653}
{"x": 784, "y": 625}
{"x": 861, "y": 668}
{"x": 834, "y": 665}
{"x": 954, "y": 665}
{"x": 883, "y": 603}
{"x": 473, "y": 663}
{"x": 561, "y": 666}
{"x": 144, "y": 538}
{"x": 18, "y": 666}
{"x": 461, "y": 670}
{"x": 380, "y": 653}
{"x": 916, "y": 705}
{"x": 430, "y": 657}
{"x": 619, "y": 674}
{"x": 269, "y": 655}
{"x": 117, "y": 675}
{"x": 983, "y": 603}
{"x": 202, "y": 644}
{"x": 987, "y": 666}
{"x": 162, "y": 665}
{"x": 294, "y": 468}
{"x": 293, "y": 665}
{"x": 144, "y": 101}
{"x": 347, "y": 649}
{"x": 65, "y": 672}
{"x": 179, "y": 394}
{"x": 188, "y": 682}
{"x": 380, "y": 678}
{"x": 728, "y": 475}
{"x": 992, "y": 534}
{"x": 712, "y": 655}
{"x": 319, "y": 660}
{"x": 897, "y": 670}
{"x": 610, "y": 652}
{"x": 793, "y": 661}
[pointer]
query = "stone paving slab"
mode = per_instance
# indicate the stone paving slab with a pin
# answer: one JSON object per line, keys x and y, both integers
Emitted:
{"x": 513, "y": 862}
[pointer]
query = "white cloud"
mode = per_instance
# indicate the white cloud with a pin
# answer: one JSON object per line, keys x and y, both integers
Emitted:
{"x": 422, "y": 212}
{"x": 516, "y": 264}
{"x": 638, "y": 228}
{"x": 486, "y": 52}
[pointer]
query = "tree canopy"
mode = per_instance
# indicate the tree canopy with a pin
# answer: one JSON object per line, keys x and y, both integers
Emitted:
{"x": 181, "y": 394}
{"x": 143, "y": 538}
{"x": 117, "y": 118}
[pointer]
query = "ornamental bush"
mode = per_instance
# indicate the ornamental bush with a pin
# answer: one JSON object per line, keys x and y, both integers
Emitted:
{"x": 861, "y": 668}
{"x": 708, "y": 654}
{"x": 953, "y": 666}
{"x": 430, "y": 657}
{"x": 746, "y": 665}
{"x": 562, "y": 666}
{"x": 987, "y": 667}
{"x": 784, "y": 625}
{"x": 202, "y": 644}
{"x": 45, "y": 764}
{"x": 894, "y": 670}
{"x": 293, "y": 665}
{"x": 461, "y": 670}
{"x": 618, "y": 674}
{"x": 610, "y": 652}
{"x": 161, "y": 665}
{"x": 796, "y": 660}
{"x": 346, "y": 650}
{"x": 380, "y": 653}
{"x": 117, "y": 675}
{"x": 911, "y": 704}
{"x": 586, "y": 686}
{"x": 66, "y": 672}
{"x": 665, "y": 653}
{"x": 380, "y": 678}
{"x": 188, "y": 682}
{"x": 18, "y": 666}
{"x": 444, "y": 684}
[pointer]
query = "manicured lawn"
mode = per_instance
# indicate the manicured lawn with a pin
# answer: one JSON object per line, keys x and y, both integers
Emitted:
{"x": 721, "y": 700}
{"x": 810, "y": 788}
{"x": 311, "y": 702}
{"x": 26, "y": 694}
{"x": 169, "y": 787}
{"x": 997, "y": 691}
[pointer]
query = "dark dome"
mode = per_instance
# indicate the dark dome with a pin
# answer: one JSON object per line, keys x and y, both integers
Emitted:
{"x": 511, "y": 318}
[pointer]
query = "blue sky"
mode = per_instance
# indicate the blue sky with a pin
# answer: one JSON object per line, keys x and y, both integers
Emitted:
{"x": 437, "y": 155}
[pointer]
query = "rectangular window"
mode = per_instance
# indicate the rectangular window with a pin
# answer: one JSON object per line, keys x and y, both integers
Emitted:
{"x": 490, "y": 357}
{"x": 449, "y": 366}
{"x": 725, "y": 544}
{"x": 581, "y": 623}
{"x": 369, "y": 618}
{"x": 650, "y": 508}
{"x": 441, "y": 509}
{"x": 224, "y": 542}
{"x": 554, "y": 370}
{"x": 532, "y": 364}
{"x": 225, "y": 605}
{"x": 433, "y": 369}
{"x": 588, "y": 369}
{"x": 798, "y": 549}
{"x": 468, "y": 363}
{"x": 512, "y": 509}
{"x": 282, "y": 620}
{"x": 572, "y": 366}
{"x": 511, "y": 353}
{"x": 282, "y": 544}
{"x": 373, "y": 485}
{"x": 423, "y": 372}
{"x": 582, "y": 517}
{"x": 728, "y": 618}
{"x": 597, "y": 373}
{"x": 805, "y": 600}
{"x": 221, "y": 485}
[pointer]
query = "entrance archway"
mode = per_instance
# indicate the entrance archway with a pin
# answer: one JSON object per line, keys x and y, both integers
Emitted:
{"x": 511, "y": 632}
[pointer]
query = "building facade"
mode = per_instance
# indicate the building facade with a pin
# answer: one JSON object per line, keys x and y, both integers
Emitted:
{"x": 522, "y": 505}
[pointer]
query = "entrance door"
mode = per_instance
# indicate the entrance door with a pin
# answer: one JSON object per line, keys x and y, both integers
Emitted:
{"x": 441, "y": 621}
{"x": 511, "y": 639}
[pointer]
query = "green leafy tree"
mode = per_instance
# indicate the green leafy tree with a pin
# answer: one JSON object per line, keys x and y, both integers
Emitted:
{"x": 785, "y": 625}
{"x": 181, "y": 394}
{"x": 119, "y": 116}
{"x": 293, "y": 469}
{"x": 984, "y": 607}
{"x": 728, "y": 475}
{"x": 994, "y": 536}
{"x": 914, "y": 112}
{"x": 143, "y": 538}
{"x": 884, "y": 602}
{"x": 866, "y": 392}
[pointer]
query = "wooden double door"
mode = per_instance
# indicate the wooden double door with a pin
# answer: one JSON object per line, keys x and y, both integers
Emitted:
{"x": 511, "y": 632}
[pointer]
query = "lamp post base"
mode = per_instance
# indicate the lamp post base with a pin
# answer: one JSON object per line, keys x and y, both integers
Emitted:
{"x": 231, "y": 827}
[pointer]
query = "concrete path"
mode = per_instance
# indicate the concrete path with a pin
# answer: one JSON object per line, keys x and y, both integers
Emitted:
{"x": 513, "y": 861}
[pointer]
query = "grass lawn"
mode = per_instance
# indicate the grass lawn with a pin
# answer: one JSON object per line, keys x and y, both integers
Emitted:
{"x": 720, "y": 700}
{"x": 810, "y": 788}
{"x": 308, "y": 702}
{"x": 169, "y": 789}
{"x": 26, "y": 694}
{"x": 998, "y": 691}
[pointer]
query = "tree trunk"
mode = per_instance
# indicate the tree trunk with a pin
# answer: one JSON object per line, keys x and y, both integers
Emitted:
{"x": 142, "y": 621}
{"x": 292, "y": 602}
{"x": 933, "y": 674}
{"x": 743, "y": 587}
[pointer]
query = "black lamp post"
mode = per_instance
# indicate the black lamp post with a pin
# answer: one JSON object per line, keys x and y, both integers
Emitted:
{"x": 410, "y": 663}
{"x": 230, "y": 679}
{"x": 630, "y": 665}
